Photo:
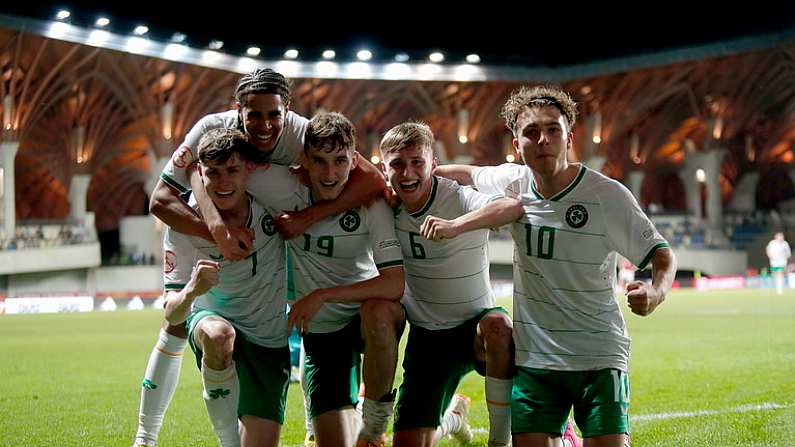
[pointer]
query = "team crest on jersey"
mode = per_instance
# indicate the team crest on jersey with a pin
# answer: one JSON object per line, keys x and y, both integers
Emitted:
{"x": 268, "y": 225}
{"x": 182, "y": 157}
{"x": 169, "y": 261}
{"x": 350, "y": 221}
{"x": 576, "y": 216}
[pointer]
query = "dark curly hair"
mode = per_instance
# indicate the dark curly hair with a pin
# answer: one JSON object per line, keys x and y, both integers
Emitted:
{"x": 538, "y": 96}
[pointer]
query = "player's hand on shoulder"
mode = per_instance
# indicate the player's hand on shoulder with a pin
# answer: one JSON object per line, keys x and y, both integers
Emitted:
{"x": 435, "y": 228}
{"x": 291, "y": 224}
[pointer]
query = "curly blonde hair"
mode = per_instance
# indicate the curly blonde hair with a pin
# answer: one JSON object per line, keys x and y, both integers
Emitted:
{"x": 538, "y": 96}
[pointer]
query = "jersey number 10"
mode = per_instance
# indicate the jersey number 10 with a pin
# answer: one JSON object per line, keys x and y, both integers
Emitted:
{"x": 545, "y": 241}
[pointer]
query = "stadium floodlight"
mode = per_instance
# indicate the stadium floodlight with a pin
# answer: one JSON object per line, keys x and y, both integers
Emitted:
{"x": 436, "y": 57}
{"x": 364, "y": 55}
{"x": 253, "y": 51}
{"x": 329, "y": 54}
{"x": 292, "y": 53}
{"x": 102, "y": 22}
{"x": 216, "y": 44}
{"x": 62, "y": 15}
{"x": 401, "y": 57}
{"x": 140, "y": 30}
{"x": 178, "y": 37}
{"x": 473, "y": 58}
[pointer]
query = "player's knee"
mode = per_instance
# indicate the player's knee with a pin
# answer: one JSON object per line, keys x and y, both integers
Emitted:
{"x": 217, "y": 338}
{"x": 381, "y": 318}
{"x": 497, "y": 330}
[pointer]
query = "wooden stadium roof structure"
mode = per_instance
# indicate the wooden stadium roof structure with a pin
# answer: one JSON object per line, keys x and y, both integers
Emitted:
{"x": 82, "y": 109}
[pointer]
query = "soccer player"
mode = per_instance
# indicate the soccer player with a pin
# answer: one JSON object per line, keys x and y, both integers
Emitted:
{"x": 348, "y": 280}
{"x": 455, "y": 325}
{"x": 262, "y": 113}
{"x": 778, "y": 252}
{"x": 234, "y": 310}
{"x": 572, "y": 346}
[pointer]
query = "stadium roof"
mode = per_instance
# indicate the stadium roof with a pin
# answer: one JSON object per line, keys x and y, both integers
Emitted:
{"x": 501, "y": 33}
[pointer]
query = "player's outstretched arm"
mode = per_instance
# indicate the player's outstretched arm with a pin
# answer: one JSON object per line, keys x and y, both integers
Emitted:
{"x": 493, "y": 215}
{"x": 364, "y": 184}
{"x": 203, "y": 278}
{"x": 167, "y": 205}
{"x": 388, "y": 285}
{"x": 643, "y": 297}
{"x": 460, "y": 173}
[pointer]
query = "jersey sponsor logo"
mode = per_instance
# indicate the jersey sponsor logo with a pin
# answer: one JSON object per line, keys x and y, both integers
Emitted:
{"x": 648, "y": 233}
{"x": 182, "y": 157}
{"x": 268, "y": 225}
{"x": 576, "y": 216}
{"x": 350, "y": 221}
{"x": 169, "y": 261}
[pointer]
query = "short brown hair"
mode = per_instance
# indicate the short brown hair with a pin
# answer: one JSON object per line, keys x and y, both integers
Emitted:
{"x": 219, "y": 144}
{"x": 330, "y": 132}
{"x": 538, "y": 96}
{"x": 405, "y": 135}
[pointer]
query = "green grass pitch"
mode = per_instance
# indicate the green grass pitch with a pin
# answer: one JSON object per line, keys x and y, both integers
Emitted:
{"x": 708, "y": 369}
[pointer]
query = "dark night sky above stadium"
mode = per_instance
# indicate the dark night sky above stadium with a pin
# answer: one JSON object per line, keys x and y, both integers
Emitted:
{"x": 526, "y": 33}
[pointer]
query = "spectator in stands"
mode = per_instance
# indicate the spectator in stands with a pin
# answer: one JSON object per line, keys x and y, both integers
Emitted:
{"x": 778, "y": 252}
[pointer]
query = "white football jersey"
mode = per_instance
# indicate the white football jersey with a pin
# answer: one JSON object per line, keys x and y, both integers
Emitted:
{"x": 447, "y": 281}
{"x": 566, "y": 316}
{"x": 339, "y": 250}
{"x": 251, "y": 293}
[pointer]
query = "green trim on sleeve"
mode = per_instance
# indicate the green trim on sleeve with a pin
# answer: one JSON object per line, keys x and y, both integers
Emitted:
{"x": 173, "y": 183}
{"x": 174, "y": 287}
{"x": 387, "y": 264}
{"x": 646, "y": 260}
